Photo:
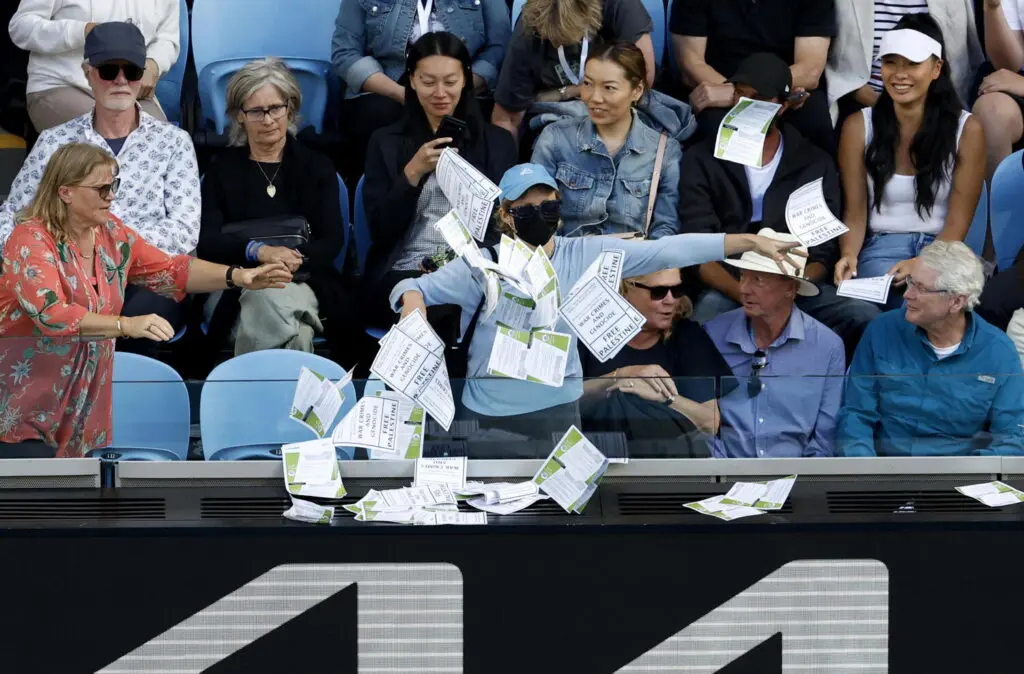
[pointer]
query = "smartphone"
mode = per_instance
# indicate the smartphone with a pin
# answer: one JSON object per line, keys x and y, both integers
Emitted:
{"x": 453, "y": 128}
{"x": 798, "y": 96}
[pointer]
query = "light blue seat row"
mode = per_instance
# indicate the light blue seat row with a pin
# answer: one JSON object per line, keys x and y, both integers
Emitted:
{"x": 168, "y": 88}
{"x": 1007, "y": 209}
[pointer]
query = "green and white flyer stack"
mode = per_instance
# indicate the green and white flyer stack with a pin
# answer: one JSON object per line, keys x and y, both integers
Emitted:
{"x": 743, "y": 130}
{"x": 317, "y": 400}
{"x": 540, "y": 356}
{"x": 746, "y": 499}
{"x": 430, "y": 504}
{"x": 311, "y": 470}
{"x": 993, "y": 494}
{"x": 571, "y": 473}
{"x": 540, "y": 274}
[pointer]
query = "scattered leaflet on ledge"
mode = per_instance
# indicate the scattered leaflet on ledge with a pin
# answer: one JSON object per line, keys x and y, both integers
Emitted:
{"x": 993, "y": 494}
{"x": 431, "y": 504}
{"x": 311, "y": 470}
{"x": 746, "y": 499}
{"x": 447, "y": 470}
{"x": 572, "y": 471}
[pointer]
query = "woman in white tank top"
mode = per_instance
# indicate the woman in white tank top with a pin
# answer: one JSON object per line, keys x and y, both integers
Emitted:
{"x": 912, "y": 167}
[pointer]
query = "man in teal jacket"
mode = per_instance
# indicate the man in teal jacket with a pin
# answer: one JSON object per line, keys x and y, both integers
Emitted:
{"x": 933, "y": 378}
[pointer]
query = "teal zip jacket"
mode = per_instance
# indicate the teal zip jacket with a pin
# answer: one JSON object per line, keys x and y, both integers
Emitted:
{"x": 901, "y": 400}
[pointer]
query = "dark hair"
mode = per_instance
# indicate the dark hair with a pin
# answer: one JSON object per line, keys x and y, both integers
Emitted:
{"x": 627, "y": 56}
{"x": 933, "y": 148}
{"x": 443, "y": 44}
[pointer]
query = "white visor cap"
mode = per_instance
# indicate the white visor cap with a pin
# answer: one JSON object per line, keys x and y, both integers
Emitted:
{"x": 910, "y": 44}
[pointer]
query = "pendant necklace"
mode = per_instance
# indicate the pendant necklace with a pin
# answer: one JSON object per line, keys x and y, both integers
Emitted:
{"x": 271, "y": 189}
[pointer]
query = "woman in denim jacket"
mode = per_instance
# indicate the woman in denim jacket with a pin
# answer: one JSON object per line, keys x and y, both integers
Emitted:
{"x": 370, "y": 41}
{"x": 604, "y": 163}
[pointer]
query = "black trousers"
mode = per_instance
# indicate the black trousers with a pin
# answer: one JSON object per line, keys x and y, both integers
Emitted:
{"x": 360, "y": 117}
{"x": 27, "y": 449}
{"x": 139, "y": 301}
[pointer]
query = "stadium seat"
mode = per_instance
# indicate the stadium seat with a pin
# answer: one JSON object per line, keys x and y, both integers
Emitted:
{"x": 168, "y": 89}
{"x": 657, "y": 11}
{"x": 673, "y": 65}
{"x": 979, "y": 226}
{"x": 517, "y": 8}
{"x": 1006, "y": 209}
{"x": 361, "y": 227}
{"x": 227, "y": 34}
{"x": 243, "y": 409}
{"x": 346, "y": 222}
{"x": 151, "y": 411}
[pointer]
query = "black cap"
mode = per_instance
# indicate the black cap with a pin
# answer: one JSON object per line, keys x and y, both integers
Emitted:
{"x": 115, "y": 41}
{"x": 766, "y": 73}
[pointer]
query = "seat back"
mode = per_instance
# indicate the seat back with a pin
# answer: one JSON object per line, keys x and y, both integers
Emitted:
{"x": 346, "y": 223}
{"x": 227, "y": 34}
{"x": 1006, "y": 209}
{"x": 979, "y": 225}
{"x": 657, "y": 11}
{"x": 673, "y": 65}
{"x": 361, "y": 227}
{"x": 245, "y": 403}
{"x": 517, "y": 8}
{"x": 151, "y": 411}
{"x": 168, "y": 88}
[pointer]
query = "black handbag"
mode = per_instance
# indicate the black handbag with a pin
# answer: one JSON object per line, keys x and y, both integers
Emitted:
{"x": 288, "y": 231}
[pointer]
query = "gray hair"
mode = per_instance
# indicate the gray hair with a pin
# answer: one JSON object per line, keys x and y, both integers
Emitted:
{"x": 959, "y": 270}
{"x": 252, "y": 77}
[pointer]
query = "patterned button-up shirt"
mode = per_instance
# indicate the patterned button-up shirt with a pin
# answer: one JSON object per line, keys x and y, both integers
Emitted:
{"x": 159, "y": 192}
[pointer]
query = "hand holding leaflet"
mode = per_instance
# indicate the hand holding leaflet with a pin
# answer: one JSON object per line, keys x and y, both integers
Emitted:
{"x": 871, "y": 289}
{"x": 809, "y": 217}
{"x": 743, "y": 130}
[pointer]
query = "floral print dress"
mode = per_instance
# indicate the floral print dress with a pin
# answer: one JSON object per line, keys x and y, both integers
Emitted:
{"x": 56, "y": 386}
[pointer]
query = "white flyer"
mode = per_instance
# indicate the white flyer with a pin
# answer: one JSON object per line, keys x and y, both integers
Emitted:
{"x": 505, "y": 492}
{"x": 459, "y": 519}
{"x": 449, "y": 470}
{"x": 508, "y": 353}
{"x": 871, "y": 289}
{"x": 514, "y": 311}
{"x": 743, "y": 130}
{"x": 373, "y": 423}
{"x": 809, "y": 217}
{"x": 539, "y": 273}
{"x": 492, "y": 293}
{"x": 469, "y": 191}
{"x": 412, "y": 369}
{"x": 461, "y": 241}
{"x": 437, "y": 397}
{"x": 545, "y": 310}
{"x": 305, "y": 511}
{"x": 776, "y": 494}
{"x": 601, "y": 318}
{"x": 745, "y": 494}
{"x": 713, "y": 506}
{"x": 572, "y": 471}
{"x": 540, "y": 356}
{"x": 311, "y": 469}
{"x": 410, "y": 428}
{"x": 993, "y": 494}
{"x": 416, "y": 327}
{"x": 505, "y": 507}
{"x": 513, "y": 256}
{"x": 317, "y": 401}
{"x": 607, "y": 267}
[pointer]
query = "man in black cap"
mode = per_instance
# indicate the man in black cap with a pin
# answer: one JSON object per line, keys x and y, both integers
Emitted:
{"x": 159, "y": 193}
{"x": 720, "y": 196}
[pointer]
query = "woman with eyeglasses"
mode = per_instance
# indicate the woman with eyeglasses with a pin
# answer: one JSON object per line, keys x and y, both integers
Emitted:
{"x": 530, "y": 210}
{"x": 54, "y": 31}
{"x": 65, "y": 269}
{"x": 268, "y": 177}
{"x": 660, "y": 389}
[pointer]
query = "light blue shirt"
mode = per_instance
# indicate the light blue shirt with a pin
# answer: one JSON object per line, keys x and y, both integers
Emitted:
{"x": 455, "y": 284}
{"x": 794, "y": 414}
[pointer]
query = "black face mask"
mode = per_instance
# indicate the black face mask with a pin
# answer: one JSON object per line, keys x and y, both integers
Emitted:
{"x": 536, "y": 224}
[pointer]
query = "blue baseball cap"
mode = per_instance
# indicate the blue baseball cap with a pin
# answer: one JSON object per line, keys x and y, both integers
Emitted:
{"x": 518, "y": 179}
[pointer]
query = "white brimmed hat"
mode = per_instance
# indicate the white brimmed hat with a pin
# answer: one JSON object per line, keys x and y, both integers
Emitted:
{"x": 913, "y": 45}
{"x": 754, "y": 261}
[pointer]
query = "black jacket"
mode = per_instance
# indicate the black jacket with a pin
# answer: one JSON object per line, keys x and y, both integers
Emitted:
{"x": 390, "y": 200}
{"x": 714, "y": 195}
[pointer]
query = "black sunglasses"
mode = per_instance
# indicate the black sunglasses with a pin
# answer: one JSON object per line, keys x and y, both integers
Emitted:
{"x": 550, "y": 210}
{"x": 659, "y": 292}
{"x": 108, "y": 71}
{"x": 759, "y": 362}
{"x": 108, "y": 191}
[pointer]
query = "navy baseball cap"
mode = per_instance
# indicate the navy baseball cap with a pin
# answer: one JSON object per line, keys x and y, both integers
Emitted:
{"x": 767, "y": 73}
{"x": 115, "y": 41}
{"x": 519, "y": 179}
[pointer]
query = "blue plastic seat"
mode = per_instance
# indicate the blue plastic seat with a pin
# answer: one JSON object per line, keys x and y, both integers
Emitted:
{"x": 346, "y": 221}
{"x": 517, "y": 8}
{"x": 168, "y": 88}
{"x": 361, "y": 230}
{"x": 1006, "y": 209}
{"x": 673, "y": 65}
{"x": 227, "y": 34}
{"x": 245, "y": 403}
{"x": 151, "y": 411}
{"x": 979, "y": 226}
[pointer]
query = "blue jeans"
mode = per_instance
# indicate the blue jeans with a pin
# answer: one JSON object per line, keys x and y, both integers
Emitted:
{"x": 881, "y": 252}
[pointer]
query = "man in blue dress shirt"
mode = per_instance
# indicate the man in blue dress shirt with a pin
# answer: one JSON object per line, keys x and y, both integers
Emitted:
{"x": 789, "y": 366}
{"x": 933, "y": 378}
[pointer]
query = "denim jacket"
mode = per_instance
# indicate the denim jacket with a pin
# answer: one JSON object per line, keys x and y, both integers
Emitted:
{"x": 371, "y": 36}
{"x": 602, "y": 195}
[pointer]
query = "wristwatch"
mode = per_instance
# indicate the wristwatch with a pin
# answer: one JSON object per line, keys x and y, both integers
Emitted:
{"x": 228, "y": 274}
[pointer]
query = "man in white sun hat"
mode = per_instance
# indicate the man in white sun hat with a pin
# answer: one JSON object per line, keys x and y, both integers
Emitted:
{"x": 789, "y": 366}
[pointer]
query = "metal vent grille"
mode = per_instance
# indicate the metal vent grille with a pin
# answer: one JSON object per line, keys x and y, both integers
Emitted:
{"x": 50, "y": 482}
{"x": 196, "y": 482}
{"x": 668, "y": 503}
{"x": 926, "y": 501}
{"x": 82, "y": 509}
{"x": 243, "y": 508}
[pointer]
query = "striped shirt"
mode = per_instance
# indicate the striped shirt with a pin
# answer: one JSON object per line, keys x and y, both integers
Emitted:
{"x": 887, "y": 15}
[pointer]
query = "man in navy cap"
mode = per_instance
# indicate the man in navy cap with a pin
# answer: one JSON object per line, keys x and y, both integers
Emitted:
{"x": 159, "y": 191}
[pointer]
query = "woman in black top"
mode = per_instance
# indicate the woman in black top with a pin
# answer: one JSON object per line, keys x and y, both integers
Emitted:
{"x": 401, "y": 193}
{"x": 661, "y": 388}
{"x": 267, "y": 173}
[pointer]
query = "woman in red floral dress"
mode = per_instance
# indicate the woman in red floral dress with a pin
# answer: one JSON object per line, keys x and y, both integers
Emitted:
{"x": 65, "y": 268}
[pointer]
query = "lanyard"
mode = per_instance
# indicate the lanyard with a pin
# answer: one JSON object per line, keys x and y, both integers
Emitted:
{"x": 573, "y": 77}
{"x": 423, "y": 10}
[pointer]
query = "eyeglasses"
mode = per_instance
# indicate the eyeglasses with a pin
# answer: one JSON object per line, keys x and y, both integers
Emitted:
{"x": 550, "y": 210}
{"x": 659, "y": 292}
{"x": 759, "y": 362}
{"x": 920, "y": 289}
{"x": 108, "y": 71}
{"x": 259, "y": 114}
{"x": 108, "y": 191}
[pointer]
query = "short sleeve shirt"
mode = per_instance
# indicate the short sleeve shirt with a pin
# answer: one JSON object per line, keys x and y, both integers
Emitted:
{"x": 736, "y": 29}
{"x": 532, "y": 65}
{"x": 1013, "y": 10}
